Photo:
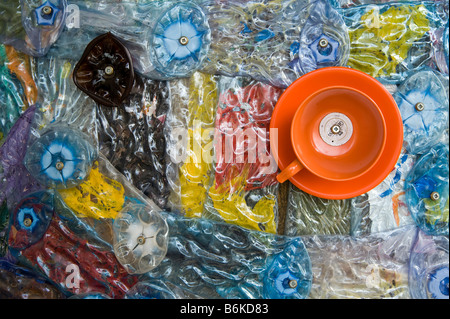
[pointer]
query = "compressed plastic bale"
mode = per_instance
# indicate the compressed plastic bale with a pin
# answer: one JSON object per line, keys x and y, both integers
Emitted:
{"x": 211, "y": 24}
{"x": 130, "y": 113}
{"x": 62, "y": 101}
{"x": 400, "y": 36}
{"x": 369, "y": 267}
{"x": 48, "y": 225}
{"x": 148, "y": 29}
{"x": 239, "y": 38}
{"x": 310, "y": 215}
{"x": 59, "y": 99}
{"x": 261, "y": 265}
{"x": 162, "y": 51}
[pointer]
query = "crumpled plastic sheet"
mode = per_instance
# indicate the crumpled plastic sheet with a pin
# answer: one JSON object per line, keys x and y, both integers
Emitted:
{"x": 225, "y": 171}
{"x": 371, "y": 267}
{"x": 404, "y": 36}
{"x": 21, "y": 283}
{"x": 190, "y": 134}
{"x": 18, "y": 90}
{"x": 344, "y": 251}
{"x": 70, "y": 234}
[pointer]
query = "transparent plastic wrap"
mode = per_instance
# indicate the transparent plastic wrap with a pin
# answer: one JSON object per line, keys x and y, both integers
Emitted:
{"x": 20, "y": 283}
{"x": 389, "y": 39}
{"x": 428, "y": 269}
{"x": 217, "y": 260}
{"x": 52, "y": 238}
{"x": 370, "y": 267}
{"x": 310, "y": 215}
{"x": 227, "y": 172}
{"x": 427, "y": 191}
{"x": 32, "y": 26}
{"x": 17, "y": 88}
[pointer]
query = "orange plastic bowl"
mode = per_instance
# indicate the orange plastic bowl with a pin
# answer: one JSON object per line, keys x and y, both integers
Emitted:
{"x": 338, "y": 133}
{"x": 318, "y": 81}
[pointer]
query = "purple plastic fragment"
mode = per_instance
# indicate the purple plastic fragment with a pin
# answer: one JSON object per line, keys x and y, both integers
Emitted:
{"x": 15, "y": 180}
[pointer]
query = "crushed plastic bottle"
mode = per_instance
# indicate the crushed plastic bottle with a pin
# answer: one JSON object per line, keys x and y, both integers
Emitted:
{"x": 427, "y": 191}
{"x": 423, "y": 103}
{"x": 32, "y": 26}
{"x": 60, "y": 158}
{"x": 428, "y": 267}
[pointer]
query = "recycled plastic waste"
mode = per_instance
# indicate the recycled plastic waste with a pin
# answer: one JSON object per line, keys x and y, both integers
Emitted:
{"x": 135, "y": 160}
